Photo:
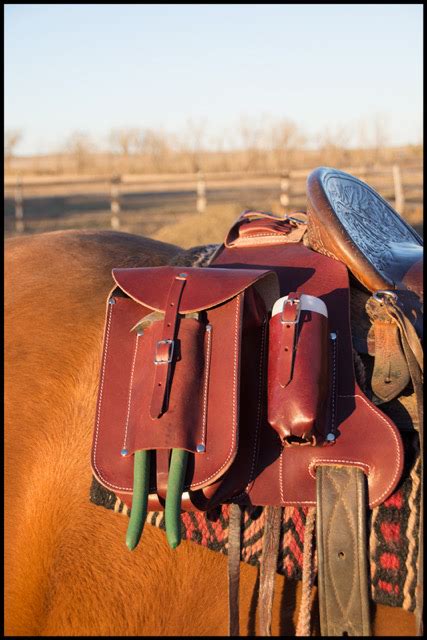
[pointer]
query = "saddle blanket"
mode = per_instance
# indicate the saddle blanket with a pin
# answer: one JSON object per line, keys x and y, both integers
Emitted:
{"x": 393, "y": 546}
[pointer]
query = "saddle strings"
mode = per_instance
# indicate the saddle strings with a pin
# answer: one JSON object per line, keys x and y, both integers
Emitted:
{"x": 308, "y": 575}
{"x": 234, "y": 551}
{"x": 268, "y": 570}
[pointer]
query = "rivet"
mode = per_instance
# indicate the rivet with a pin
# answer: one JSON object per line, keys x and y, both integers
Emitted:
{"x": 140, "y": 332}
{"x": 200, "y": 448}
{"x": 208, "y": 327}
{"x": 330, "y": 437}
{"x": 111, "y": 301}
{"x": 183, "y": 275}
{"x": 333, "y": 336}
{"x": 124, "y": 452}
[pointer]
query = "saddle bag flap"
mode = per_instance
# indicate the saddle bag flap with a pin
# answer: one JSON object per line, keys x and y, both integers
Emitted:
{"x": 298, "y": 367}
{"x": 196, "y": 347}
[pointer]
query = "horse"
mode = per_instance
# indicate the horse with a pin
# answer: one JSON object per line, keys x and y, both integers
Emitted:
{"x": 67, "y": 569}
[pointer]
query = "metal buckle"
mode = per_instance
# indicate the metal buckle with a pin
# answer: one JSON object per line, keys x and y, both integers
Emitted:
{"x": 381, "y": 296}
{"x": 171, "y": 344}
{"x": 296, "y": 301}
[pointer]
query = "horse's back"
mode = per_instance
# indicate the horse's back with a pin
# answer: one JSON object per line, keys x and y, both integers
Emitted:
{"x": 68, "y": 571}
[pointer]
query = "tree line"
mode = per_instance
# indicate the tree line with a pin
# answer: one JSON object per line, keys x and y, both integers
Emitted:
{"x": 252, "y": 145}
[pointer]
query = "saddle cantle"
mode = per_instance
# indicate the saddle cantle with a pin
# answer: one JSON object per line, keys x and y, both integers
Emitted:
{"x": 351, "y": 222}
{"x": 235, "y": 383}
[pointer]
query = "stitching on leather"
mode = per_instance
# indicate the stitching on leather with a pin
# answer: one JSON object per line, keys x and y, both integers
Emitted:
{"x": 341, "y": 494}
{"x": 101, "y": 389}
{"x": 279, "y": 239}
{"x": 334, "y": 371}
{"x": 261, "y": 384}
{"x": 130, "y": 390}
{"x": 396, "y": 472}
{"x": 281, "y": 479}
{"x": 317, "y": 462}
{"x": 321, "y": 544}
{"x": 359, "y": 552}
{"x": 236, "y": 334}
{"x": 258, "y": 423}
{"x": 205, "y": 384}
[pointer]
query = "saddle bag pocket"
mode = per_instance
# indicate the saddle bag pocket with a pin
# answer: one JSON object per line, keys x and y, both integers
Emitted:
{"x": 298, "y": 379}
{"x": 171, "y": 375}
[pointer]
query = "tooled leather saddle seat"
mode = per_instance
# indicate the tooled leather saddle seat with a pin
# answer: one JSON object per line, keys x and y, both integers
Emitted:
{"x": 234, "y": 383}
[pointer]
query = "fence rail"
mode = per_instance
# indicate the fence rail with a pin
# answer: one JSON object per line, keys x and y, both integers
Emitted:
{"x": 399, "y": 184}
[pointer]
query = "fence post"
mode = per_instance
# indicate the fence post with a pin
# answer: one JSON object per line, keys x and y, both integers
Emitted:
{"x": 201, "y": 192}
{"x": 19, "y": 208}
{"x": 115, "y": 204}
{"x": 285, "y": 184}
{"x": 399, "y": 198}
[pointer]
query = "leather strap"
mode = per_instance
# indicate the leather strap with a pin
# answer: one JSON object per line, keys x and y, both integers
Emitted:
{"x": 390, "y": 375}
{"x": 165, "y": 348}
{"x": 234, "y": 527}
{"x": 270, "y": 552}
{"x": 289, "y": 319}
{"x": 391, "y": 306}
{"x": 257, "y": 228}
{"x": 342, "y": 551}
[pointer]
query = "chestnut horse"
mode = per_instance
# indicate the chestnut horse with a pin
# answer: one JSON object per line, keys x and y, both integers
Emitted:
{"x": 67, "y": 568}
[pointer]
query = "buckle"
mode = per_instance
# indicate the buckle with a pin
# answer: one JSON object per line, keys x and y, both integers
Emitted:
{"x": 380, "y": 296}
{"x": 171, "y": 349}
{"x": 292, "y": 301}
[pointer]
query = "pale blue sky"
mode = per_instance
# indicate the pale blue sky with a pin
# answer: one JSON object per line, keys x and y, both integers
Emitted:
{"x": 94, "y": 67}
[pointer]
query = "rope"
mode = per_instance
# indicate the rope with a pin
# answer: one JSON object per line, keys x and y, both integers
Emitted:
{"x": 234, "y": 529}
{"x": 304, "y": 617}
{"x": 270, "y": 552}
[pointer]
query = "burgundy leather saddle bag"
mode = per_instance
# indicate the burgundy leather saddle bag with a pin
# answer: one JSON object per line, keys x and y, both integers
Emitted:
{"x": 194, "y": 359}
{"x": 178, "y": 346}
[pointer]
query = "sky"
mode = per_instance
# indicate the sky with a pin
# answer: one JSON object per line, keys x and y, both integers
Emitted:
{"x": 98, "y": 67}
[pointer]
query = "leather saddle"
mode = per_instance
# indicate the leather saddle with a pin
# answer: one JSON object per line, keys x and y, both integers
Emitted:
{"x": 235, "y": 382}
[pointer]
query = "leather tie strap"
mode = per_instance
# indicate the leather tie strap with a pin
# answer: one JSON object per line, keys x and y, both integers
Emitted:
{"x": 234, "y": 526}
{"x": 342, "y": 551}
{"x": 391, "y": 374}
{"x": 289, "y": 319}
{"x": 165, "y": 348}
{"x": 270, "y": 552}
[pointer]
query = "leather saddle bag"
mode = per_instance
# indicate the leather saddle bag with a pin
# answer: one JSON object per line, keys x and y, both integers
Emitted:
{"x": 179, "y": 345}
{"x": 298, "y": 368}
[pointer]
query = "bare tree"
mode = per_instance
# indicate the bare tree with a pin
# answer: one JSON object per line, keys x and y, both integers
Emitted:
{"x": 253, "y": 141}
{"x": 125, "y": 142}
{"x": 80, "y": 147}
{"x": 12, "y": 138}
{"x": 156, "y": 146}
{"x": 380, "y": 136}
{"x": 192, "y": 143}
{"x": 285, "y": 138}
{"x": 333, "y": 145}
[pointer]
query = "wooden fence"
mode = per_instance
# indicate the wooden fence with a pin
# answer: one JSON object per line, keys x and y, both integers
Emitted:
{"x": 396, "y": 184}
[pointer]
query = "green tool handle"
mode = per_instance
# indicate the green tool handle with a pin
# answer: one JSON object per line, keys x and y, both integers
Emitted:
{"x": 141, "y": 487}
{"x": 177, "y": 469}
